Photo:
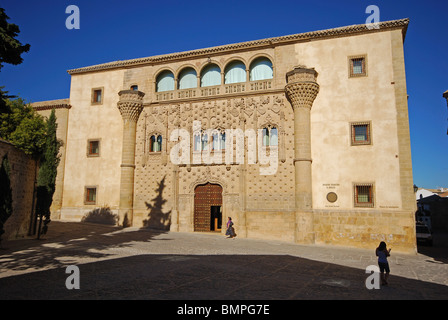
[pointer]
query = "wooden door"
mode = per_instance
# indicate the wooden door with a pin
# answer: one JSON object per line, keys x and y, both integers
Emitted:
{"x": 206, "y": 196}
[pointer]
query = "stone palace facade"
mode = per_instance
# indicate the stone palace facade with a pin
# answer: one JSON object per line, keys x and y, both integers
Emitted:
{"x": 302, "y": 138}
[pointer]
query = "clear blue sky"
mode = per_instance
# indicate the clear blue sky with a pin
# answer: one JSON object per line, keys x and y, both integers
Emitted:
{"x": 118, "y": 30}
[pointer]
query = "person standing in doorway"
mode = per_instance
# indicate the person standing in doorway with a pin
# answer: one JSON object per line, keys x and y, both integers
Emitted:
{"x": 230, "y": 232}
{"x": 382, "y": 253}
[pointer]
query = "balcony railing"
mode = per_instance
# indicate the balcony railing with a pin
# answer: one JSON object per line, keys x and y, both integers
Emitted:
{"x": 224, "y": 89}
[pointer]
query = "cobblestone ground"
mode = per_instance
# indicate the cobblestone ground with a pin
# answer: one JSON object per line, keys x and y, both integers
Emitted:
{"x": 145, "y": 264}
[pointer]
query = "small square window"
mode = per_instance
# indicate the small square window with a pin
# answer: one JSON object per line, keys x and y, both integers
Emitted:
{"x": 93, "y": 148}
{"x": 363, "y": 195}
{"x": 97, "y": 96}
{"x": 358, "y": 66}
{"x": 360, "y": 133}
{"x": 90, "y": 195}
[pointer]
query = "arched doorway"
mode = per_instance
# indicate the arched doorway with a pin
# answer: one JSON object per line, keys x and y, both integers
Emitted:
{"x": 208, "y": 207}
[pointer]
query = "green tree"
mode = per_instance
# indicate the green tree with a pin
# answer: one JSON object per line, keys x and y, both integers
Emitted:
{"x": 10, "y": 50}
{"x": 46, "y": 179}
{"x": 27, "y": 130}
{"x": 5, "y": 194}
{"x": 23, "y": 127}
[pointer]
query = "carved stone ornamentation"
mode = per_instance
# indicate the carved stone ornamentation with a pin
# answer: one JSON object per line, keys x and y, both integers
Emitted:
{"x": 130, "y": 104}
{"x": 301, "y": 91}
{"x": 302, "y": 87}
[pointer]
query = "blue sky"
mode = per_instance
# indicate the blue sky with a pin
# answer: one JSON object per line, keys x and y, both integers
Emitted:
{"x": 118, "y": 30}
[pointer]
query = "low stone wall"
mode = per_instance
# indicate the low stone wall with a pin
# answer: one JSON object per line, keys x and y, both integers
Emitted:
{"x": 350, "y": 228}
{"x": 366, "y": 229}
{"x": 22, "y": 177}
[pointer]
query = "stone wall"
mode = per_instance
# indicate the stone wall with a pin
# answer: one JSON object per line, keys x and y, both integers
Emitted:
{"x": 22, "y": 177}
{"x": 366, "y": 229}
{"x": 270, "y": 225}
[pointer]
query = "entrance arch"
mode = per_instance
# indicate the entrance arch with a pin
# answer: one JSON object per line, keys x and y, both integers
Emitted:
{"x": 208, "y": 207}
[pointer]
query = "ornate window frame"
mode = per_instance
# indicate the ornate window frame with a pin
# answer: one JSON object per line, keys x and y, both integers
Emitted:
{"x": 269, "y": 126}
{"x": 368, "y": 140}
{"x": 351, "y": 71}
{"x": 206, "y": 137}
{"x": 367, "y": 189}
{"x": 156, "y": 135}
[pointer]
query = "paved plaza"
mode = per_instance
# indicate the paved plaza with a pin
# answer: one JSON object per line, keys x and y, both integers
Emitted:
{"x": 135, "y": 263}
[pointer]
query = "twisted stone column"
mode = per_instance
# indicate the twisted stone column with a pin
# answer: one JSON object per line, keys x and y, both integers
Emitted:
{"x": 130, "y": 106}
{"x": 301, "y": 90}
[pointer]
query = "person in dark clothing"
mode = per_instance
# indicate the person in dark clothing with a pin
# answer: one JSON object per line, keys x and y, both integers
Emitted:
{"x": 230, "y": 232}
{"x": 382, "y": 253}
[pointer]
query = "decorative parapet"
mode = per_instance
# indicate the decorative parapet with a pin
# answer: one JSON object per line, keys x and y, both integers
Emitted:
{"x": 130, "y": 104}
{"x": 302, "y": 87}
{"x": 251, "y": 87}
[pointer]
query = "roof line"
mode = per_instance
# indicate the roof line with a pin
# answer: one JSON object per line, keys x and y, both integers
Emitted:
{"x": 313, "y": 35}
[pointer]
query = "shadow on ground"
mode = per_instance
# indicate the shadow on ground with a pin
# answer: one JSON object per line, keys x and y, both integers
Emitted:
{"x": 66, "y": 242}
{"x": 180, "y": 277}
{"x": 209, "y": 277}
{"x": 439, "y": 250}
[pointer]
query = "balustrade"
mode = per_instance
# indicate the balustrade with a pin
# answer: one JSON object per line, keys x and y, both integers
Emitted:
{"x": 225, "y": 89}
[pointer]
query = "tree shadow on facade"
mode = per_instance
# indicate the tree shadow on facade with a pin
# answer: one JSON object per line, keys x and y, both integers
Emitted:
{"x": 157, "y": 219}
{"x": 101, "y": 215}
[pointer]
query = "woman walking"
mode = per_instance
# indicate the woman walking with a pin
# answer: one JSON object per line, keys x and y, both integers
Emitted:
{"x": 382, "y": 253}
{"x": 230, "y": 232}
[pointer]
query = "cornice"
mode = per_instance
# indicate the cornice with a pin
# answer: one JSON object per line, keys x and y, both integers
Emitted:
{"x": 269, "y": 42}
{"x": 51, "y": 104}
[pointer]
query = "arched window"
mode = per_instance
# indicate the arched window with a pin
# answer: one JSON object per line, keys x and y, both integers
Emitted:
{"x": 265, "y": 136}
{"x": 165, "y": 81}
{"x": 223, "y": 141}
{"x": 134, "y": 87}
{"x": 261, "y": 69}
{"x": 269, "y": 136}
{"x": 235, "y": 72}
{"x": 218, "y": 141}
{"x": 155, "y": 143}
{"x": 211, "y": 76}
{"x": 214, "y": 139}
{"x": 204, "y": 141}
{"x": 188, "y": 79}
{"x": 197, "y": 142}
{"x": 273, "y": 137}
